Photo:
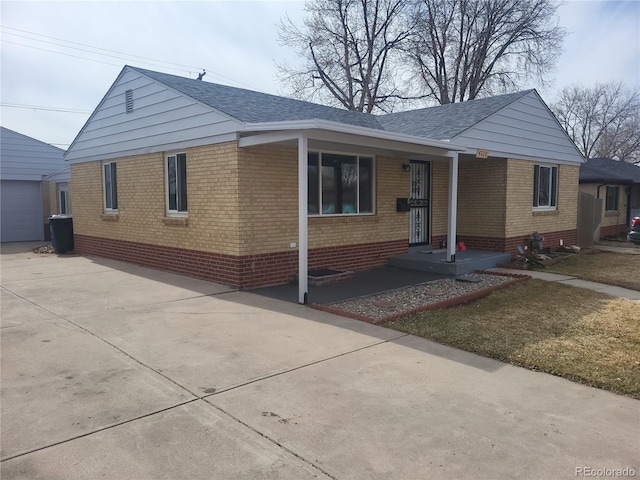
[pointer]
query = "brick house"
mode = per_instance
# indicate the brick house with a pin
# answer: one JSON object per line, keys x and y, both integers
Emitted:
{"x": 247, "y": 189}
{"x": 617, "y": 184}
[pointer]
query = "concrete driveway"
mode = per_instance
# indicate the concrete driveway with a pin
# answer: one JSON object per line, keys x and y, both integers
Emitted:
{"x": 110, "y": 370}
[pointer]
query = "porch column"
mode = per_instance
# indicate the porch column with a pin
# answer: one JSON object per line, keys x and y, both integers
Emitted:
{"x": 453, "y": 208}
{"x": 303, "y": 245}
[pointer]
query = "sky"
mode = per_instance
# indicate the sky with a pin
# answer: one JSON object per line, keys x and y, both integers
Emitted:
{"x": 58, "y": 59}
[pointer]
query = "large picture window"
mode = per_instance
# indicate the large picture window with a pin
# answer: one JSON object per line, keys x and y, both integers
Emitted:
{"x": 545, "y": 187}
{"x": 611, "y": 203}
{"x": 110, "y": 182}
{"x": 340, "y": 184}
{"x": 177, "y": 183}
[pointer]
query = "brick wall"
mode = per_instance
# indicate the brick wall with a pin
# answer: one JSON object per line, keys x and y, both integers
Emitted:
{"x": 521, "y": 220}
{"x": 268, "y": 205}
{"x": 613, "y": 230}
{"x": 242, "y": 219}
{"x": 212, "y": 186}
{"x": 482, "y": 197}
{"x": 239, "y": 271}
{"x": 508, "y": 245}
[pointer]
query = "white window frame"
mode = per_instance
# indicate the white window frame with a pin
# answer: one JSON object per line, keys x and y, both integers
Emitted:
{"x": 617, "y": 198}
{"x": 114, "y": 188}
{"x": 63, "y": 198}
{"x": 174, "y": 212}
{"x": 373, "y": 184}
{"x": 553, "y": 195}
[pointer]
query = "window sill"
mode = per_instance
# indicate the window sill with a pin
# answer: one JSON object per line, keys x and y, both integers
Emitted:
{"x": 340, "y": 215}
{"x": 176, "y": 221}
{"x": 109, "y": 217}
{"x": 545, "y": 213}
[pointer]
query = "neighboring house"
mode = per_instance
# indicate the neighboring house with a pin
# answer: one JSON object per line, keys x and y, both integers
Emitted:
{"x": 618, "y": 185}
{"x": 247, "y": 189}
{"x": 33, "y": 174}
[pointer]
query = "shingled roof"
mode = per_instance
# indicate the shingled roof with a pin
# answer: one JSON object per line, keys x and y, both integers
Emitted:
{"x": 439, "y": 122}
{"x": 256, "y": 107}
{"x": 444, "y": 122}
{"x": 608, "y": 170}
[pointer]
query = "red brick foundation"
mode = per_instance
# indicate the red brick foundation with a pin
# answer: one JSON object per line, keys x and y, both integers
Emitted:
{"x": 613, "y": 230}
{"x": 508, "y": 245}
{"x": 240, "y": 271}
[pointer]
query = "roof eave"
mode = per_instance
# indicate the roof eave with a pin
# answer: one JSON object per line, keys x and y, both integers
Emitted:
{"x": 318, "y": 124}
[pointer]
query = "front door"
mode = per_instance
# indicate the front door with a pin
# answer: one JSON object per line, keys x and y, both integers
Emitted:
{"x": 419, "y": 203}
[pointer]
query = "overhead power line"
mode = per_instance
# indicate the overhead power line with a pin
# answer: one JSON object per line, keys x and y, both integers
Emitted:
{"x": 45, "y": 108}
{"x": 130, "y": 55}
{"x": 93, "y": 50}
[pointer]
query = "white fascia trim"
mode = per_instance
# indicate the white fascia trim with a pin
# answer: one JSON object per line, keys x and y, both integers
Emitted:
{"x": 317, "y": 124}
{"x": 269, "y": 137}
{"x": 167, "y": 147}
{"x": 519, "y": 156}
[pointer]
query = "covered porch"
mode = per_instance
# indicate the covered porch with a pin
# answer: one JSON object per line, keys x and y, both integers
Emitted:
{"x": 322, "y": 135}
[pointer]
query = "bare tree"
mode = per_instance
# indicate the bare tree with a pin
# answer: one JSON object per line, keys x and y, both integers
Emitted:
{"x": 603, "y": 121}
{"x": 348, "y": 50}
{"x": 465, "y": 49}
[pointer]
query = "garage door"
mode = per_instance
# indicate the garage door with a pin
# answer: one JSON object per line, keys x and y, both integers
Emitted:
{"x": 21, "y": 211}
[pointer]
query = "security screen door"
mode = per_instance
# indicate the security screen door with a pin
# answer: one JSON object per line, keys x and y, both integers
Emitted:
{"x": 419, "y": 203}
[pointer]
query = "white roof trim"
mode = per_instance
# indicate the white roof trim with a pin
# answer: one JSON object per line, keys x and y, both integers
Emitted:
{"x": 518, "y": 156}
{"x": 317, "y": 124}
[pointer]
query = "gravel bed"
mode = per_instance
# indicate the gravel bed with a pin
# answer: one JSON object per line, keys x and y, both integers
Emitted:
{"x": 403, "y": 299}
{"x": 44, "y": 249}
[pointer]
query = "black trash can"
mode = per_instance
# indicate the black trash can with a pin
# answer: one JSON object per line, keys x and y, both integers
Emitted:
{"x": 61, "y": 227}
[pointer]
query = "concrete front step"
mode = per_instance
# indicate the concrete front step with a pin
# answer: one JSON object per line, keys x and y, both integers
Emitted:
{"x": 466, "y": 262}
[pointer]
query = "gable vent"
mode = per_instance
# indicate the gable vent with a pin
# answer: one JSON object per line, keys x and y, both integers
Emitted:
{"x": 128, "y": 95}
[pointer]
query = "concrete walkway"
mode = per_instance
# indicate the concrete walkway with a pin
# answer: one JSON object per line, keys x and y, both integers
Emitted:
{"x": 114, "y": 371}
{"x": 575, "y": 282}
{"x": 630, "y": 249}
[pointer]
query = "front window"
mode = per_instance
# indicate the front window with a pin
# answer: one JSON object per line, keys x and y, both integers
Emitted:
{"x": 177, "y": 183}
{"x": 340, "y": 184}
{"x": 110, "y": 180}
{"x": 611, "y": 204}
{"x": 545, "y": 187}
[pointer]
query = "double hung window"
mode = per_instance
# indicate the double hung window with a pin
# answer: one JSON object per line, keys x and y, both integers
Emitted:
{"x": 177, "y": 184}
{"x": 110, "y": 184}
{"x": 611, "y": 203}
{"x": 545, "y": 187}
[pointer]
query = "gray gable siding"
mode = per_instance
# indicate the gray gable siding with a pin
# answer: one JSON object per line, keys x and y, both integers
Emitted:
{"x": 161, "y": 119}
{"x": 526, "y": 129}
{"x": 172, "y": 112}
{"x": 25, "y": 158}
{"x": 447, "y": 121}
